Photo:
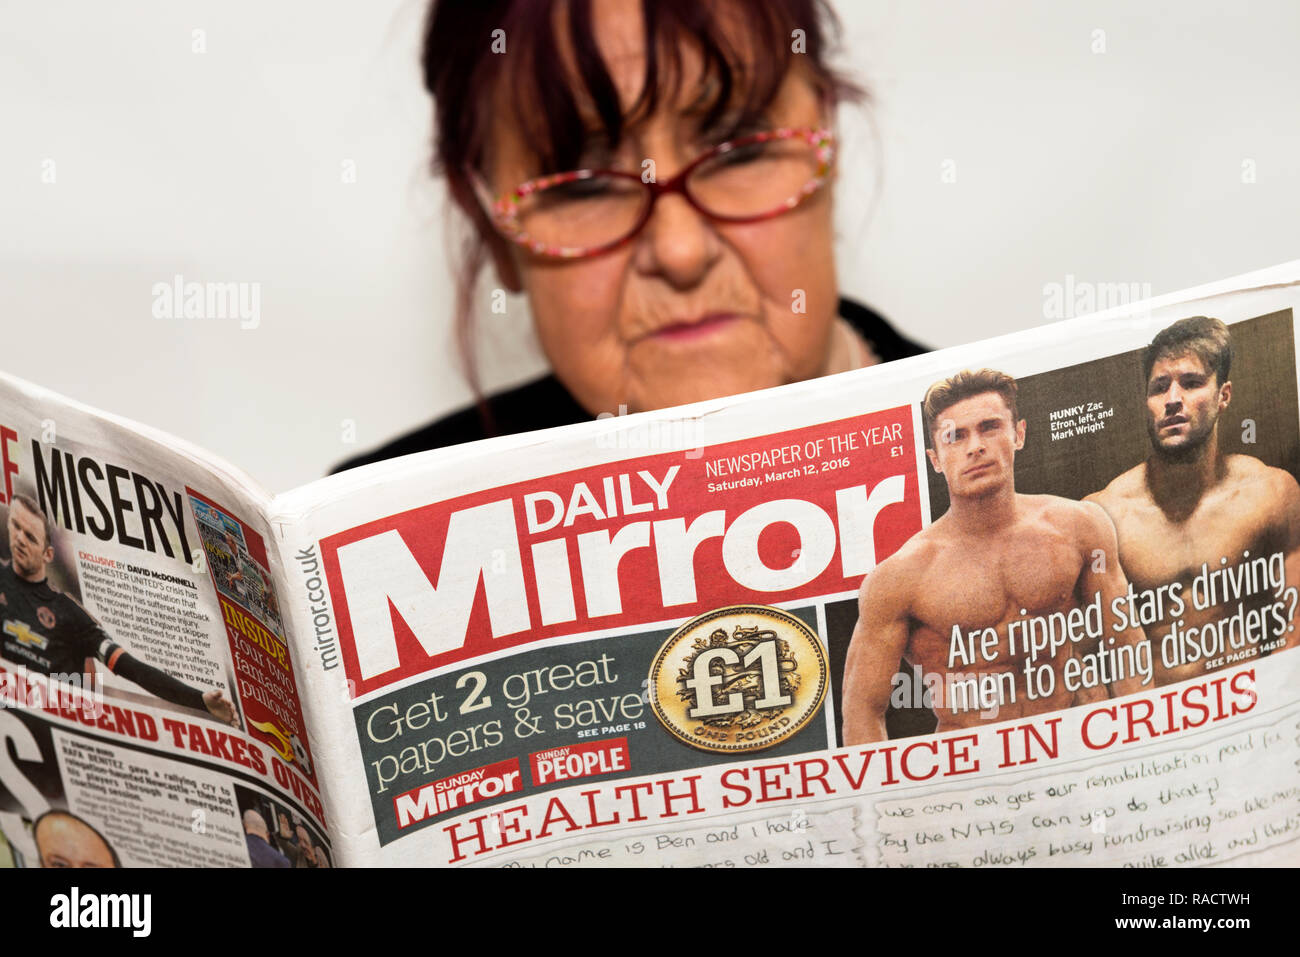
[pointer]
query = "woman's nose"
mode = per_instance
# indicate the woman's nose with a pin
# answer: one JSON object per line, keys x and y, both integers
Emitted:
{"x": 679, "y": 243}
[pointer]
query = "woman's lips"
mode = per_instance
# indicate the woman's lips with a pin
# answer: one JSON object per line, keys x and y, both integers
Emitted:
{"x": 689, "y": 330}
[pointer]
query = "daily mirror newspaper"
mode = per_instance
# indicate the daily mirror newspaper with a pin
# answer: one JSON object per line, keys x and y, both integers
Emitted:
{"x": 1028, "y": 602}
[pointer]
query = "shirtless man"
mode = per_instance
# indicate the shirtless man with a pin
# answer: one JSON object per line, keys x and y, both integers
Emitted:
{"x": 1189, "y": 506}
{"x": 996, "y": 557}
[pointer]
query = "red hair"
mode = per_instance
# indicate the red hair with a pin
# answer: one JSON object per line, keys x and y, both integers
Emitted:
{"x": 463, "y": 74}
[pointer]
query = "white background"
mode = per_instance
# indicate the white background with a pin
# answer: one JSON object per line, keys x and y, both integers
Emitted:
{"x": 1122, "y": 166}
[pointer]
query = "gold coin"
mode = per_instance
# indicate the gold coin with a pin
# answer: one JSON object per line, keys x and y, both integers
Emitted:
{"x": 740, "y": 678}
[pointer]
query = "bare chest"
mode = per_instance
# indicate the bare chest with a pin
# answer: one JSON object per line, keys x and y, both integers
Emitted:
{"x": 980, "y": 587}
{"x": 1156, "y": 549}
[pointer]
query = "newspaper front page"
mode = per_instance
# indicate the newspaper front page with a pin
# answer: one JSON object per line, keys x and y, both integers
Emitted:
{"x": 1049, "y": 619}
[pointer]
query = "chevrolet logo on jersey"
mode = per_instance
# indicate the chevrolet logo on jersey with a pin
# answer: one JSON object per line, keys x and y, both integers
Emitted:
{"x": 21, "y": 632}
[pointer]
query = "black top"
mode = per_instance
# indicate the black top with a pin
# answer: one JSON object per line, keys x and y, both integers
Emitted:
{"x": 544, "y": 403}
{"x": 43, "y": 629}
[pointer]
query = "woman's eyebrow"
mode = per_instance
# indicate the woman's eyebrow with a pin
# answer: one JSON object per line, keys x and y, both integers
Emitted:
{"x": 739, "y": 105}
{"x": 732, "y": 123}
{"x": 595, "y": 147}
{"x": 595, "y": 144}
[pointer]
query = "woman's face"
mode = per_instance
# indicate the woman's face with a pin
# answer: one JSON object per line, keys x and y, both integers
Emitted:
{"x": 690, "y": 309}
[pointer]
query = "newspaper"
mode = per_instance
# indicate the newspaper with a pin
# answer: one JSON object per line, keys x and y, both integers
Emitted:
{"x": 1028, "y": 602}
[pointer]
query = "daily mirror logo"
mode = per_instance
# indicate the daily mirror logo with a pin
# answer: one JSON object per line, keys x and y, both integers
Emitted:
{"x": 762, "y": 520}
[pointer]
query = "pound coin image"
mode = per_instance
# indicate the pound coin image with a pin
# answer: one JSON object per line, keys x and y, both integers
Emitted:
{"x": 740, "y": 678}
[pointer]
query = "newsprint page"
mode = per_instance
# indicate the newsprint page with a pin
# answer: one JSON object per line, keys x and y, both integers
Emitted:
{"x": 1028, "y": 602}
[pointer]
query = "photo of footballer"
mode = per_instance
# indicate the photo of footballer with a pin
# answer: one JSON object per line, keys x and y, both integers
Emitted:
{"x": 49, "y": 633}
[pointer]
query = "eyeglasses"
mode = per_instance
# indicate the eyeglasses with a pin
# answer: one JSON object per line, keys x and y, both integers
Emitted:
{"x": 590, "y": 211}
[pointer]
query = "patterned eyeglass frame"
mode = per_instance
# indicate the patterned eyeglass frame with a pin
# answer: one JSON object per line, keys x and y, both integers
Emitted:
{"x": 504, "y": 209}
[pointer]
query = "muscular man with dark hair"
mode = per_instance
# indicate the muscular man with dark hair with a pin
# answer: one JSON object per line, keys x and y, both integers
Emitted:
{"x": 1190, "y": 508}
{"x": 48, "y": 632}
{"x": 994, "y": 559}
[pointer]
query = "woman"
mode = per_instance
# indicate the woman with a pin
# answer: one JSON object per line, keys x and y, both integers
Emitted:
{"x": 656, "y": 178}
